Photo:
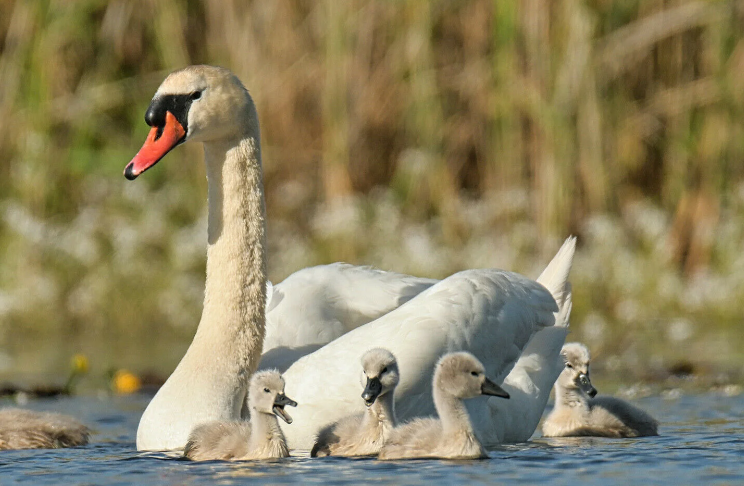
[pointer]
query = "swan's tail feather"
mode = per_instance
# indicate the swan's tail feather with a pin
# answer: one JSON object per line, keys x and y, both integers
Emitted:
{"x": 555, "y": 276}
{"x": 565, "y": 311}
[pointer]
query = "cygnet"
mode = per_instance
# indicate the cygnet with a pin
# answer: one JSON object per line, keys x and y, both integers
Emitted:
{"x": 579, "y": 412}
{"x": 261, "y": 438}
{"x": 457, "y": 376}
{"x": 364, "y": 434}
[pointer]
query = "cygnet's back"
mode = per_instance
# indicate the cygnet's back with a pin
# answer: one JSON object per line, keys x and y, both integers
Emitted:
{"x": 364, "y": 434}
{"x": 261, "y": 438}
{"x": 457, "y": 376}
{"x": 577, "y": 412}
{"x": 26, "y": 429}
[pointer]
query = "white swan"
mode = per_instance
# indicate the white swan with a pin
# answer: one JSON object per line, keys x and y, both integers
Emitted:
{"x": 364, "y": 434}
{"x": 488, "y": 312}
{"x": 26, "y": 429}
{"x": 261, "y": 438}
{"x": 578, "y": 412}
{"x": 457, "y": 376}
{"x": 210, "y": 105}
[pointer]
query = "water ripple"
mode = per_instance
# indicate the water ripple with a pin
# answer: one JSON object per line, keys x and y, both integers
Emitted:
{"x": 702, "y": 441}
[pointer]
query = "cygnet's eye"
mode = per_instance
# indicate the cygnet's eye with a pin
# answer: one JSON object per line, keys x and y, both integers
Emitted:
{"x": 195, "y": 95}
{"x": 474, "y": 373}
{"x": 267, "y": 390}
{"x": 384, "y": 370}
{"x": 569, "y": 366}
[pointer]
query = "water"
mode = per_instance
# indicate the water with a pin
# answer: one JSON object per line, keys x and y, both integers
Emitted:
{"x": 702, "y": 441}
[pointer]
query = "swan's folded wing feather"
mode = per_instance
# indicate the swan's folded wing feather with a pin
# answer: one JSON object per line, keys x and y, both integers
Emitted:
{"x": 318, "y": 304}
{"x": 490, "y": 313}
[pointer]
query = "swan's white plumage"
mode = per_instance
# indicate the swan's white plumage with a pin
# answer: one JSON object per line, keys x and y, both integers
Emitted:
{"x": 316, "y": 305}
{"x": 530, "y": 381}
{"x": 491, "y": 313}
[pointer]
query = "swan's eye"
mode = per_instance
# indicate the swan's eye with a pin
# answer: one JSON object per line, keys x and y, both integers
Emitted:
{"x": 267, "y": 390}
{"x": 384, "y": 370}
{"x": 195, "y": 95}
{"x": 474, "y": 373}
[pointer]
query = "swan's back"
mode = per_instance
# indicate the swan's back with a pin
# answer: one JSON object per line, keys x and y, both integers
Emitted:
{"x": 26, "y": 429}
{"x": 316, "y": 305}
{"x": 222, "y": 440}
{"x": 491, "y": 313}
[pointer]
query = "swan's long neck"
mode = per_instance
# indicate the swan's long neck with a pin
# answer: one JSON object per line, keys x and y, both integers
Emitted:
{"x": 211, "y": 381}
{"x": 452, "y": 413}
{"x": 232, "y": 323}
{"x": 381, "y": 415}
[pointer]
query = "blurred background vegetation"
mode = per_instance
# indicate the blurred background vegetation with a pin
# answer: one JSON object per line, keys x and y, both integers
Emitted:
{"x": 422, "y": 137}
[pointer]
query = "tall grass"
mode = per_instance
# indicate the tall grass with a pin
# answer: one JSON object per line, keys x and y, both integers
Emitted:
{"x": 418, "y": 136}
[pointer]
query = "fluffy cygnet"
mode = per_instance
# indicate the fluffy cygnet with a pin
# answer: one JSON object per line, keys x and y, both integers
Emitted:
{"x": 578, "y": 412}
{"x": 364, "y": 434}
{"x": 26, "y": 429}
{"x": 457, "y": 376}
{"x": 261, "y": 438}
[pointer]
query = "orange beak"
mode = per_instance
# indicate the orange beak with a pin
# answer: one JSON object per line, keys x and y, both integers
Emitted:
{"x": 155, "y": 146}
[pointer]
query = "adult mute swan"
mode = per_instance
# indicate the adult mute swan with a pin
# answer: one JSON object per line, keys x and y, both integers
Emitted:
{"x": 489, "y": 312}
{"x": 457, "y": 376}
{"x": 364, "y": 434}
{"x": 26, "y": 429}
{"x": 578, "y": 412}
{"x": 261, "y": 438}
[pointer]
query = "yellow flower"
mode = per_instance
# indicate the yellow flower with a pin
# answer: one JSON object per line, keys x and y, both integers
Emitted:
{"x": 126, "y": 382}
{"x": 79, "y": 363}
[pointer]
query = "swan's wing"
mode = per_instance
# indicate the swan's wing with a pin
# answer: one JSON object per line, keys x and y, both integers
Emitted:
{"x": 530, "y": 381}
{"x": 490, "y": 313}
{"x": 318, "y": 304}
{"x": 528, "y": 384}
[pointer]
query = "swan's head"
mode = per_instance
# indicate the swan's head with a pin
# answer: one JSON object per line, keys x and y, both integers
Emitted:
{"x": 380, "y": 374}
{"x": 461, "y": 375}
{"x": 266, "y": 395}
{"x": 199, "y": 104}
{"x": 575, "y": 374}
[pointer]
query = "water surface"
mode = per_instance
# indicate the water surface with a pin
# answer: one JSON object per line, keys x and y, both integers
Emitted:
{"x": 702, "y": 441}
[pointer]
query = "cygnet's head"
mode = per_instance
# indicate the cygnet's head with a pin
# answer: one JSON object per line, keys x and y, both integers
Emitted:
{"x": 575, "y": 374}
{"x": 379, "y": 374}
{"x": 461, "y": 375}
{"x": 197, "y": 103}
{"x": 266, "y": 395}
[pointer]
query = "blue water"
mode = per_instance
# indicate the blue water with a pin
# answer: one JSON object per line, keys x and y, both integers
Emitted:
{"x": 702, "y": 441}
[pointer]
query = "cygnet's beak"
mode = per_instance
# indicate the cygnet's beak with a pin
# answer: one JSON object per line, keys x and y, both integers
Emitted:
{"x": 586, "y": 385}
{"x": 490, "y": 388}
{"x": 280, "y": 402}
{"x": 371, "y": 391}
